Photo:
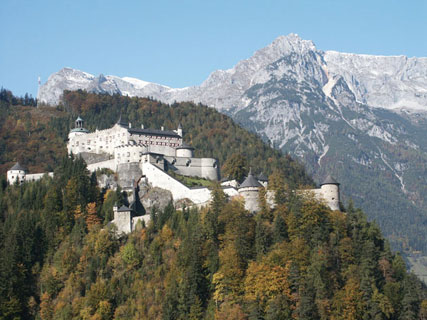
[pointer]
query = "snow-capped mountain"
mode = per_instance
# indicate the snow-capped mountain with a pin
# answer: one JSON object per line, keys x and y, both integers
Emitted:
{"x": 71, "y": 79}
{"x": 361, "y": 118}
{"x": 379, "y": 81}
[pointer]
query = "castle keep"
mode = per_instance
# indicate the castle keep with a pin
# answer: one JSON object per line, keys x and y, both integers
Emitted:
{"x": 123, "y": 144}
{"x": 151, "y": 157}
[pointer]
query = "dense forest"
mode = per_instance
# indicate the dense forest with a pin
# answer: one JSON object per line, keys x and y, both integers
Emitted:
{"x": 60, "y": 259}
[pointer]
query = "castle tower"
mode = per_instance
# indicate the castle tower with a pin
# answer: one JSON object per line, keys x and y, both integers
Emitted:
{"x": 78, "y": 130}
{"x": 249, "y": 190}
{"x": 16, "y": 173}
{"x": 184, "y": 151}
{"x": 330, "y": 190}
{"x": 122, "y": 219}
{"x": 179, "y": 130}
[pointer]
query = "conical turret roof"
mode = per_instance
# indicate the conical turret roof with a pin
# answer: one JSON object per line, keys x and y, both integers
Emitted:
{"x": 250, "y": 182}
{"x": 17, "y": 166}
{"x": 329, "y": 180}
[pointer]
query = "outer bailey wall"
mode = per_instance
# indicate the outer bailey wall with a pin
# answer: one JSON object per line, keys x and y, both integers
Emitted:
{"x": 37, "y": 176}
{"x": 197, "y": 167}
{"x": 109, "y": 164}
{"x": 329, "y": 194}
{"x": 159, "y": 178}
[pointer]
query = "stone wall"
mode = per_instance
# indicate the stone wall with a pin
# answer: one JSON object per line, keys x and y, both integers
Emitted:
{"x": 37, "y": 176}
{"x": 328, "y": 194}
{"x": 159, "y": 178}
{"x": 108, "y": 164}
{"x": 195, "y": 167}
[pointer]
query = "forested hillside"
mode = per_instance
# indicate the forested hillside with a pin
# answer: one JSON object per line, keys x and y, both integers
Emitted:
{"x": 59, "y": 258}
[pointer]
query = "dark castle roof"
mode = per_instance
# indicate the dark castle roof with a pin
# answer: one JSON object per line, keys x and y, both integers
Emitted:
{"x": 80, "y": 130}
{"x": 17, "y": 166}
{"x": 154, "y": 132}
{"x": 250, "y": 182}
{"x": 124, "y": 209}
{"x": 185, "y": 146}
{"x": 262, "y": 177}
{"x": 329, "y": 180}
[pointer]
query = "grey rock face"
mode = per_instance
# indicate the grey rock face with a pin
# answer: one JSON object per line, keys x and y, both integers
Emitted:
{"x": 155, "y": 198}
{"x": 128, "y": 174}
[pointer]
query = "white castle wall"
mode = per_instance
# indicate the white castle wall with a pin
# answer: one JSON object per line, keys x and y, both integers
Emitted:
{"x": 105, "y": 141}
{"x": 327, "y": 193}
{"x": 184, "y": 153}
{"x": 14, "y": 175}
{"x": 331, "y": 194}
{"x": 196, "y": 167}
{"x": 129, "y": 153}
{"x": 230, "y": 191}
{"x": 159, "y": 178}
{"x": 37, "y": 176}
{"x": 108, "y": 164}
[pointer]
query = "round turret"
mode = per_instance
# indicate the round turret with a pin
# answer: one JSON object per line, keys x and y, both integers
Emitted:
{"x": 331, "y": 192}
{"x": 78, "y": 129}
{"x": 249, "y": 190}
{"x": 184, "y": 151}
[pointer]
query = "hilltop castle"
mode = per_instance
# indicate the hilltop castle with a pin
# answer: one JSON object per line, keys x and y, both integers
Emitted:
{"x": 150, "y": 156}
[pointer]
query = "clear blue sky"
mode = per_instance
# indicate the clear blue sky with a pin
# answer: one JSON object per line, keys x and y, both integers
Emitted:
{"x": 179, "y": 43}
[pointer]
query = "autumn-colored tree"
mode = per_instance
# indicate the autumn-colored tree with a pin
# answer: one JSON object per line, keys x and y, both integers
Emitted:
{"x": 230, "y": 311}
{"x": 92, "y": 219}
{"x": 264, "y": 282}
{"x": 236, "y": 167}
{"x": 46, "y": 309}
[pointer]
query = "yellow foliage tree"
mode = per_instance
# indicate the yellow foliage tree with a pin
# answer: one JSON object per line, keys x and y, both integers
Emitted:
{"x": 264, "y": 282}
